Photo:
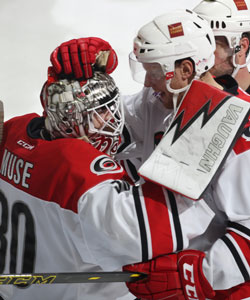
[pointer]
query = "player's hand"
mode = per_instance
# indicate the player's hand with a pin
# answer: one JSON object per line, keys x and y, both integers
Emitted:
{"x": 78, "y": 58}
{"x": 173, "y": 277}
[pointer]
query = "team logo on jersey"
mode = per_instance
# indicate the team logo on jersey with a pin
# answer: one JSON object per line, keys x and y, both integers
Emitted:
{"x": 103, "y": 164}
{"x": 240, "y": 4}
{"x": 175, "y": 30}
{"x": 106, "y": 144}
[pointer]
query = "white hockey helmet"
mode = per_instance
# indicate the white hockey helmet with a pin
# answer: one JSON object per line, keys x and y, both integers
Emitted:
{"x": 228, "y": 18}
{"x": 91, "y": 111}
{"x": 174, "y": 36}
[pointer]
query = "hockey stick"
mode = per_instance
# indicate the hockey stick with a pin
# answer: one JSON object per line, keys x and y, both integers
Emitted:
{"x": 1, "y": 120}
{"x": 76, "y": 277}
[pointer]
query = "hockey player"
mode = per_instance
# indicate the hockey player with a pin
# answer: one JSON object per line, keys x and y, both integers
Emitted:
{"x": 45, "y": 170}
{"x": 230, "y": 22}
{"x": 65, "y": 206}
{"x": 222, "y": 273}
{"x": 148, "y": 50}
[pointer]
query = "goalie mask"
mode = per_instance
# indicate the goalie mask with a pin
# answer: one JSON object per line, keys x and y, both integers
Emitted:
{"x": 171, "y": 37}
{"x": 230, "y": 19}
{"x": 92, "y": 111}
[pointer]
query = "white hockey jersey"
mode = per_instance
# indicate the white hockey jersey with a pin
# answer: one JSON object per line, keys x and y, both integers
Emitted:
{"x": 65, "y": 207}
{"x": 227, "y": 239}
{"x": 146, "y": 121}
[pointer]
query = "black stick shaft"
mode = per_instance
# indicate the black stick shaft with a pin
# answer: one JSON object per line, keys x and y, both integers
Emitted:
{"x": 77, "y": 277}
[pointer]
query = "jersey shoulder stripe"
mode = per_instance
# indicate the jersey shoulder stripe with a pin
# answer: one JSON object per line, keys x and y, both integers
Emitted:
{"x": 230, "y": 244}
{"x": 139, "y": 211}
{"x": 162, "y": 233}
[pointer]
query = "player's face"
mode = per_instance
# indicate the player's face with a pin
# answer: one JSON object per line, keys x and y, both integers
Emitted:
{"x": 223, "y": 58}
{"x": 155, "y": 79}
{"x": 99, "y": 118}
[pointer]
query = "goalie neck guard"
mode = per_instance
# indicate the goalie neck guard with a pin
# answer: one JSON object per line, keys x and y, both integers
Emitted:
{"x": 92, "y": 111}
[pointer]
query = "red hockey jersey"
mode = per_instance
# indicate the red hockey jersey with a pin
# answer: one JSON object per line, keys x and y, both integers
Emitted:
{"x": 66, "y": 208}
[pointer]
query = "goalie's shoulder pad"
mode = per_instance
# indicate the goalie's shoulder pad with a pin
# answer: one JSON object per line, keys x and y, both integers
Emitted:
{"x": 199, "y": 138}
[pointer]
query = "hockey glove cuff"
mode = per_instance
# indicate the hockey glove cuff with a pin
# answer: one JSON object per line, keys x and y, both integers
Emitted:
{"x": 176, "y": 276}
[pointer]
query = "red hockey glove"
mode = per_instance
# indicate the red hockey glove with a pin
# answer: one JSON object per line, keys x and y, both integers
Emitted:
{"x": 173, "y": 277}
{"x": 78, "y": 58}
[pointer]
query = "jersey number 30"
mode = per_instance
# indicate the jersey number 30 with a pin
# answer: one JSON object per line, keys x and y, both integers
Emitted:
{"x": 17, "y": 210}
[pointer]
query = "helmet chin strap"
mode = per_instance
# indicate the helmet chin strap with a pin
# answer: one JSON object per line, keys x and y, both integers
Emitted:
{"x": 237, "y": 67}
{"x": 176, "y": 92}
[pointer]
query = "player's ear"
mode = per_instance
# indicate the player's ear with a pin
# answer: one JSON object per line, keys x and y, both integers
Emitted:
{"x": 244, "y": 45}
{"x": 187, "y": 69}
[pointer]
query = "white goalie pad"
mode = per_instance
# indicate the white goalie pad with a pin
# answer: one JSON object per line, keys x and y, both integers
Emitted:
{"x": 198, "y": 140}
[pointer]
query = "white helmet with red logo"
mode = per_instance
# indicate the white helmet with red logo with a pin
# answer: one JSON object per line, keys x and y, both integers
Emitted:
{"x": 228, "y": 18}
{"x": 92, "y": 111}
{"x": 174, "y": 36}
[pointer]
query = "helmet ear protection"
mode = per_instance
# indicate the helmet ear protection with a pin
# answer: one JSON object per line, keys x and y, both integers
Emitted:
{"x": 228, "y": 18}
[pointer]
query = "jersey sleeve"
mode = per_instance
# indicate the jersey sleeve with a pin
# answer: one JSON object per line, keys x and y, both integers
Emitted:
{"x": 227, "y": 262}
{"x": 131, "y": 148}
{"x": 133, "y": 131}
{"x": 123, "y": 224}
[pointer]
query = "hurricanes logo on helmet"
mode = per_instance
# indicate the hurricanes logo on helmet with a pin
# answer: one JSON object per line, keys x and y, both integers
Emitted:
{"x": 240, "y": 4}
{"x": 103, "y": 164}
{"x": 175, "y": 30}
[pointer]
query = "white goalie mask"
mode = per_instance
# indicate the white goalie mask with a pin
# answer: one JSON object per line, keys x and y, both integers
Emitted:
{"x": 92, "y": 111}
{"x": 228, "y": 18}
{"x": 171, "y": 37}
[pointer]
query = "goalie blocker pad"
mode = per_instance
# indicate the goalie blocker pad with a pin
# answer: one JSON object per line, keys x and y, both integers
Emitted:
{"x": 199, "y": 138}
